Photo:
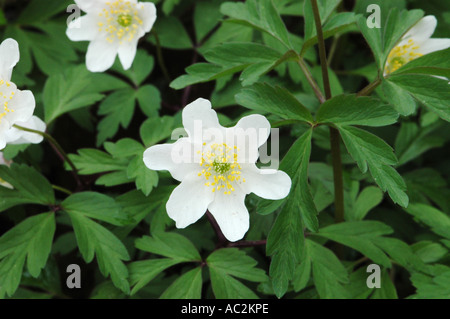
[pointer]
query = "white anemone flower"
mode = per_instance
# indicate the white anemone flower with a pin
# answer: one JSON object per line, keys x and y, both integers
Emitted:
{"x": 16, "y": 106}
{"x": 3, "y": 161}
{"x": 415, "y": 43}
{"x": 113, "y": 28}
{"x": 216, "y": 168}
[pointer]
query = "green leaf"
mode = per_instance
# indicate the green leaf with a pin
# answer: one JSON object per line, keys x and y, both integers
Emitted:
{"x": 368, "y": 199}
{"x": 149, "y": 99}
{"x": 229, "y": 58}
{"x": 387, "y": 289}
{"x": 432, "y": 287}
{"x": 328, "y": 272}
{"x": 119, "y": 110}
{"x": 30, "y": 187}
{"x": 187, "y": 286}
{"x": 400, "y": 252}
{"x": 353, "y": 110}
{"x": 142, "y": 67}
{"x": 399, "y": 98}
{"x": 236, "y": 263}
{"x": 124, "y": 148}
{"x": 430, "y": 91}
{"x": 142, "y": 272}
{"x": 206, "y": 16}
{"x": 275, "y": 100}
{"x": 68, "y": 91}
{"x": 171, "y": 34}
{"x": 97, "y": 206}
{"x": 260, "y": 15}
{"x": 285, "y": 243}
{"x": 430, "y": 216}
{"x": 145, "y": 178}
{"x": 295, "y": 164}
{"x": 434, "y": 63}
{"x": 226, "y": 263}
{"x": 412, "y": 141}
{"x": 94, "y": 239}
{"x": 371, "y": 152}
{"x": 41, "y": 10}
{"x": 156, "y": 129}
{"x": 171, "y": 245}
{"x": 360, "y": 236}
{"x": 339, "y": 23}
{"x": 92, "y": 161}
{"x": 31, "y": 240}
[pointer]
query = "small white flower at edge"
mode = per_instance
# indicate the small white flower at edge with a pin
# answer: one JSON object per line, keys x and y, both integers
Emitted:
{"x": 415, "y": 43}
{"x": 113, "y": 28}
{"x": 215, "y": 173}
{"x": 3, "y": 161}
{"x": 16, "y": 106}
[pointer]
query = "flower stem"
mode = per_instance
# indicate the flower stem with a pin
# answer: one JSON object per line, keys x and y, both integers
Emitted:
{"x": 61, "y": 189}
{"x": 334, "y": 133}
{"x": 220, "y": 237}
{"x": 159, "y": 54}
{"x": 58, "y": 149}
{"x": 311, "y": 80}
{"x": 370, "y": 88}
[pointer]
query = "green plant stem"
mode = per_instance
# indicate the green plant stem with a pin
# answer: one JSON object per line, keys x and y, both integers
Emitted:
{"x": 61, "y": 189}
{"x": 58, "y": 149}
{"x": 335, "y": 138}
{"x": 159, "y": 54}
{"x": 370, "y": 88}
{"x": 311, "y": 80}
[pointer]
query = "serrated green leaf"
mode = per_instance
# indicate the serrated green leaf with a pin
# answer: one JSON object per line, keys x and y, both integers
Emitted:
{"x": 94, "y": 239}
{"x": 171, "y": 245}
{"x": 275, "y": 100}
{"x": 97, "y": 206}
{"x": 31, "y": 240}
{"x": 353, "y": 110}
{"x": 187, "y": 286}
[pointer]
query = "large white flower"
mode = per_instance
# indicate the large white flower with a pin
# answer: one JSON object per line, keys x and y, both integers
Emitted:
{"x": 414, "y": 44}
{"x": 113, "y": 28}
{"x": 3, "y": 161}
{"x": 216, "y": 168}
{"x": 16, "y": 106}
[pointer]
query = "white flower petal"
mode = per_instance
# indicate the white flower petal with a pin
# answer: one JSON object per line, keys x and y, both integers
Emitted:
{"x": 255, "y": 124}
{"x": 90, "y": 5}
{"x": 250, "y": 133}
{"x": 432, "y": 45}
{"x": 23, "y": 104}
{"x": 231, "y": 214}
{"x": 9, "y": 56}
{"x": 4, "y": 127}
{"x": 127, "y": 53}
{"x": 266, "y": 183}
{"x": 189, "y": 201}
{"x": 422, "y": 30}
{"x": 177, "y": 158}
{"x": 148, "y": 15}
{"x": 82, "y": 29}
{"x": 199, "y": 116}
{"x": 101, "y": 55}
{"x": 17, "y": 136}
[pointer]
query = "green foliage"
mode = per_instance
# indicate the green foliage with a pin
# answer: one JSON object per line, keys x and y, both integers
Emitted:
{"x": 247, "y": 57}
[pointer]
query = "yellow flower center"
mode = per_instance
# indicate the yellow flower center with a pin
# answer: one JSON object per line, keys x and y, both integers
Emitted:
{"x": 401, "y": 55}
{"x": 221, "y": 169}
{"x": 7, "y": 92}
{"x": 120, "y": 21}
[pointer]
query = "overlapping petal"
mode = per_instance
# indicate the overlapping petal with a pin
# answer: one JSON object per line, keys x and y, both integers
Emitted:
{"x": 189, "y": 201}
